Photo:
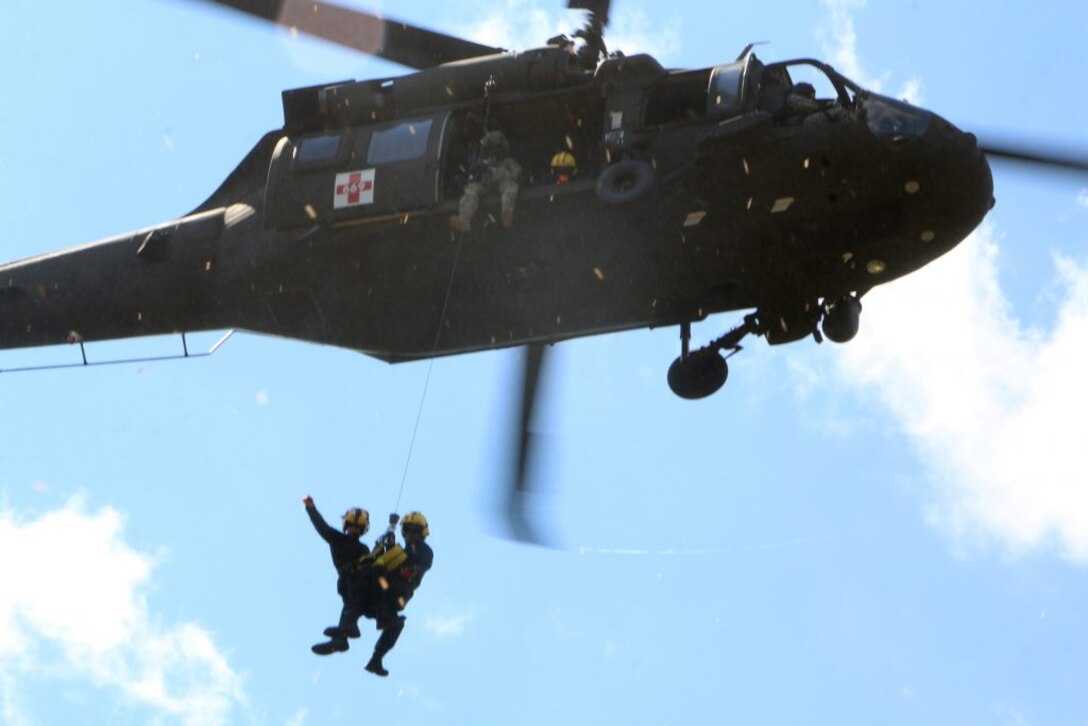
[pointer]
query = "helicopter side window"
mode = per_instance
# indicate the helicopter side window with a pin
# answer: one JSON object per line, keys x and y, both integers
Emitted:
{"x": 402, "y": 142}
{"x": 314, "y": 150}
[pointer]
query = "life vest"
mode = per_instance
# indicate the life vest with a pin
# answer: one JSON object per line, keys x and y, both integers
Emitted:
{"x": 388, "y": 558}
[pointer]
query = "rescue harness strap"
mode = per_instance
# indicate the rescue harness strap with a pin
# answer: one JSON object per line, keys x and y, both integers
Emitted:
{"x": 430, "y": 366}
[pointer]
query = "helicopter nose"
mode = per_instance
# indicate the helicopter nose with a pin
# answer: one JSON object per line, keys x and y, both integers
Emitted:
{"x": 965, "y": 183}
{"x": 942, "y": 187}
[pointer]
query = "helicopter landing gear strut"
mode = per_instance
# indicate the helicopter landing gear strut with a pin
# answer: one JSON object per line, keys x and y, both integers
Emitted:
{"x": 700, "y": 373}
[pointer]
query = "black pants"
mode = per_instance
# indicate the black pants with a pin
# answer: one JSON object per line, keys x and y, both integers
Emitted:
{"x": 390, "y": 621}
{"x": 357, "y": 602}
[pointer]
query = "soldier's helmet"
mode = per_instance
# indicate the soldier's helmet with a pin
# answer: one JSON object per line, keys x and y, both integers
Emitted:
{"x": 494, "y": 144}
{"x": 415, "y": 523}
{"x": 358, "y": 518}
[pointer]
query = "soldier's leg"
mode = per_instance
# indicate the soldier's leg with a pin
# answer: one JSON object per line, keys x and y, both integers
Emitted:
{"x": 348, "y": 627}
{"x": 390, "y": 634}
{"x": 466, "y": 208}
{"x": 391, "y": 623}
{"x": 508, "y": 188}
{"x": 506, "y": 178}
{"x": 353, "y": 591}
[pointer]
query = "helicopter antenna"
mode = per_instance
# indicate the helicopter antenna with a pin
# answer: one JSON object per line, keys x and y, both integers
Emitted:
{"x": 748, "y": 49}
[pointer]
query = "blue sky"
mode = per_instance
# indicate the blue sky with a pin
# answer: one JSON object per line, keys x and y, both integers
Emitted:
{"x": 893, "y": 531}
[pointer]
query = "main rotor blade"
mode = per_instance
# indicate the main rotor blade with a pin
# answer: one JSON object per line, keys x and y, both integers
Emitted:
{"x": 518, "y": 503}
{"x": 596, "y": 7}
{"x": 1057, "y": 160}
{"x": 392, "y": 40}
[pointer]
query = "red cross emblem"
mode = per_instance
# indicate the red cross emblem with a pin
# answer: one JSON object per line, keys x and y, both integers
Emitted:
{"x": 354, "y": 188}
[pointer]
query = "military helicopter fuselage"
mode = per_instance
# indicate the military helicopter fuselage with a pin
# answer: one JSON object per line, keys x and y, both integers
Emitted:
{"x": 696, "y": 192}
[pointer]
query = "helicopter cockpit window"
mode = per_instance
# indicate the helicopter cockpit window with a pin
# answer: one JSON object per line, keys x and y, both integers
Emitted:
{"x": 402, "y": 142}
{"x": 317, "y": 149}
{"x": 805, "y": 91}
{"x": 890, "y": 118}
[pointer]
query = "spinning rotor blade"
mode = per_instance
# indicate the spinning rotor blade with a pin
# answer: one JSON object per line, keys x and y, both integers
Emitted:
{"x": 599, "y": 8}
{"x": 1054, "y": 160}
{"x": 518, "y": 504}
{"x": 391, "y": 40}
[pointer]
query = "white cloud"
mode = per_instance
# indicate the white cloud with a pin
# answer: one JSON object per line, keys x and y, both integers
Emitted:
{"x": 991, "y": 406}
{"x": 521, "y": 24}
{"x": 840, "y": 42}
{"x": 518, "y": 24}
{"x": 1082, "y": 198}
{"x": 447, "y": 627}
{"x": 73, "y": 607}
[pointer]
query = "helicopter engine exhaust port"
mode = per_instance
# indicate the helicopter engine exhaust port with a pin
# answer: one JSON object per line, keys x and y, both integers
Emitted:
{"x": 698, "y": 374}
{"x": 625, "y": 181}
{"x": 841, "y": 319}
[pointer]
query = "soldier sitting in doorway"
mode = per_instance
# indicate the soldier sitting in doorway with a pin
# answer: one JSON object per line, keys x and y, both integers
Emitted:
{"x": 495, "y": 170}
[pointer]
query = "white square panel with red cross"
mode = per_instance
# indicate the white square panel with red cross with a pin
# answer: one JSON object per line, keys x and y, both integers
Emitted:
{"x": 353, "y": 188}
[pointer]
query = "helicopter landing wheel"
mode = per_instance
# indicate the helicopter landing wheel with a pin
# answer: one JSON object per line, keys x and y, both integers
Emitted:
{"x": 625, "y": 181}
{"x": 698, "y": 375}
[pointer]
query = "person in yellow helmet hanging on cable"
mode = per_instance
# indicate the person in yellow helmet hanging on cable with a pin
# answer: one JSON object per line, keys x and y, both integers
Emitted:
{"x": 396, "y": 584}
{"x": 347, "y": 549}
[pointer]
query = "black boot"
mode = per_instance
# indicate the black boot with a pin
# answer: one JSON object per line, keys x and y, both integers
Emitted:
{"x": 336, "y": 645}
{"x": 335, "y": 631}
{"x": 375, "y": 665}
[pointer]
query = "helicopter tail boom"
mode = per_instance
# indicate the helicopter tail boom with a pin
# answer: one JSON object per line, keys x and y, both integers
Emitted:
{"x": 132, "y": 285}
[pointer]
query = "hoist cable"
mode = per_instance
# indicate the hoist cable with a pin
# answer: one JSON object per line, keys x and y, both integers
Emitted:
{"x": 430, "y": 367}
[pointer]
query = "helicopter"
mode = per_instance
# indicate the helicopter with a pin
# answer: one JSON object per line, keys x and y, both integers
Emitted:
{"x": 699, "y": 192}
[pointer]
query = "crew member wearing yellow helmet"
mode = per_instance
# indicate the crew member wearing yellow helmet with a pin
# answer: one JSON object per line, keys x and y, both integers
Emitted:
{"x": 346, "y": 548}
{"x": 564, "y": 167}
{"x": 399, "y": 587}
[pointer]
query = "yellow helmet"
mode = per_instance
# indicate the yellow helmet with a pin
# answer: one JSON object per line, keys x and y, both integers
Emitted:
{"x": 357, "y": 517}
{"x": 416, "y": 521}
{"x": 564, "y": 160}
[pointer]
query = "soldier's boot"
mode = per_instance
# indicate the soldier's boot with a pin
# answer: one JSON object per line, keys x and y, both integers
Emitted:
{"x": 508, "y": 218}
{"x": 374, "y": 665}
{"x": 461, "y": 225}
{"x": 335, "y": 645}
